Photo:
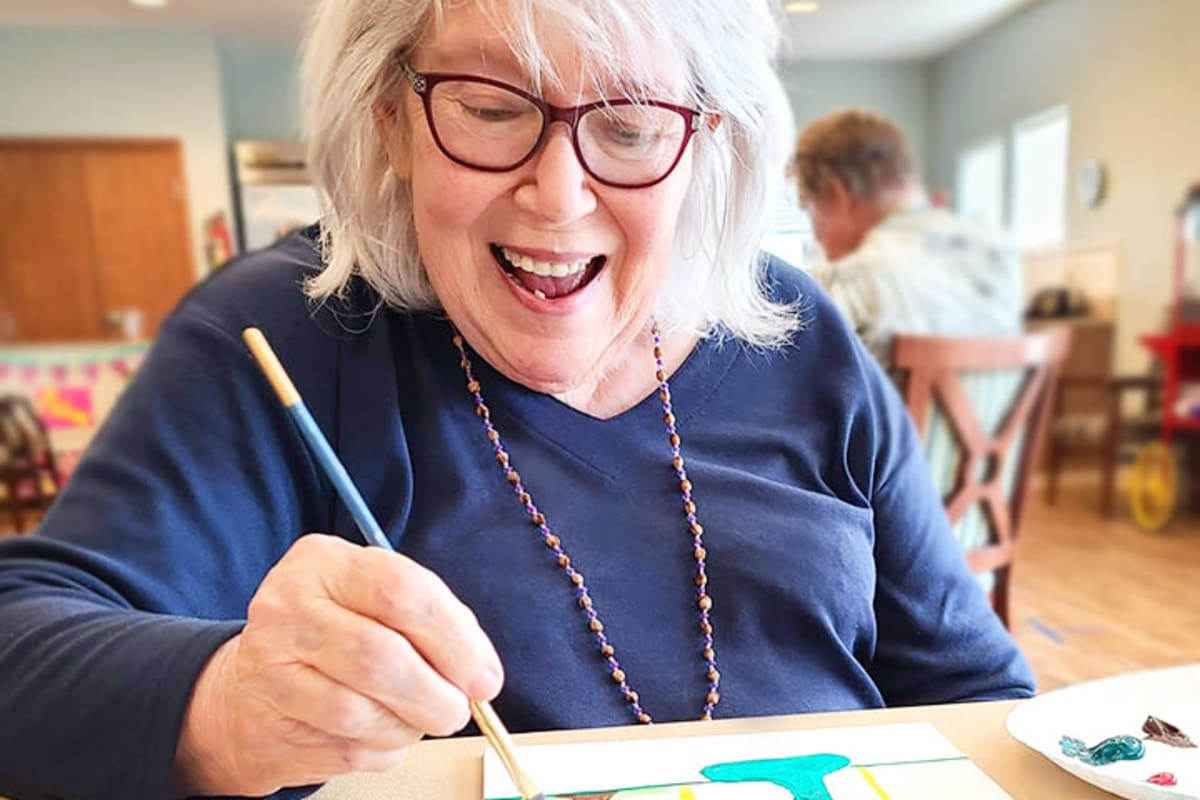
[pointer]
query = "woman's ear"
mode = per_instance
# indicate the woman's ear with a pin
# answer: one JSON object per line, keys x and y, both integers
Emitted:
{"x": 393, "y": 132}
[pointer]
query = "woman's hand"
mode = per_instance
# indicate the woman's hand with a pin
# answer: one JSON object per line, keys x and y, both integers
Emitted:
{"x": 349, "y": 655}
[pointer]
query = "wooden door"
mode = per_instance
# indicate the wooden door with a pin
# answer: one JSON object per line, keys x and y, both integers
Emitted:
{"x": 47, "y": 283}
{"x": 140, "y": 239}
{"x": 101, "y": 232}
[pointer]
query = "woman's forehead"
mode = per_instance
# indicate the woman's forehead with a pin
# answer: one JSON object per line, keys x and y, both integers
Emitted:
{"x": 547, "y": 51}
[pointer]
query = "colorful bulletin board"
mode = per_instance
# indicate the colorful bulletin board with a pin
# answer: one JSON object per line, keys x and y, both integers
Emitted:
{"x": 72, "y": 386}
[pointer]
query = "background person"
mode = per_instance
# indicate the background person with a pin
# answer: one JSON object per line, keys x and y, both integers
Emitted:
{"x": 895, "y": 263}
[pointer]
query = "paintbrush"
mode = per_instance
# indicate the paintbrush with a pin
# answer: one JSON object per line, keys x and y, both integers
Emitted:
{"x": 481, "y": 710}
{"x": 502, "y": 743}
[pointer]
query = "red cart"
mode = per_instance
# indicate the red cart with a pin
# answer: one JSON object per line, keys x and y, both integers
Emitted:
{"x": 1154, "y": 489}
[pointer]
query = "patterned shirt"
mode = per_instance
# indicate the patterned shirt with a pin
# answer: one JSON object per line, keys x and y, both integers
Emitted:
{"x": 924, "y": 271}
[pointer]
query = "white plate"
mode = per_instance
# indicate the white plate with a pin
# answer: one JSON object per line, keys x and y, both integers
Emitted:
{"x": 1119, "y": 705}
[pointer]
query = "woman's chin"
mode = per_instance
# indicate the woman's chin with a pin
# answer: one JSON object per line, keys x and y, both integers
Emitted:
{"x": 549, "y": 378}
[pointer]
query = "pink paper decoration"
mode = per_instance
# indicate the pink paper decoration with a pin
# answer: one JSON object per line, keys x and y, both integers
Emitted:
{"x": 65, "y": 407}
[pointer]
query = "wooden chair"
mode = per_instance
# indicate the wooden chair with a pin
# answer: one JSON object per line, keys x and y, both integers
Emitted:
{"x": 29, "y": 476}
{"x": 1097, "y": 438}
{"x": 981, "y": 406}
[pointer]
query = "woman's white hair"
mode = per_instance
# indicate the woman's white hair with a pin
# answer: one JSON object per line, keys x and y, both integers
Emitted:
{"x": 715, "y": 284}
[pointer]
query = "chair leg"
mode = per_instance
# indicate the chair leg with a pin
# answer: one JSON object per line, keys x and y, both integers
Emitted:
{"x": 1190, "y": 485}
{"x": 12, "y": 484}
{"x": 1053, "y": 462}
{"x": 1108, "y": 476}
{"x": 1000, "y": 595}
{"x": 1108, "y": 459}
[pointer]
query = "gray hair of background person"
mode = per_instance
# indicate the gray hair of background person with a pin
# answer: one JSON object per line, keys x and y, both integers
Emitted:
{"x": 866, "y": 152}
{"x": 351, "y": 63}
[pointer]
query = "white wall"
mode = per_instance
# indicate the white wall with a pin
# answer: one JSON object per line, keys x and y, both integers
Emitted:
{"x": 64, "y": 82}
{"x": 1127, "y": 70}
{"x": 897, "y": 89}
{"x": 260, "y": 82}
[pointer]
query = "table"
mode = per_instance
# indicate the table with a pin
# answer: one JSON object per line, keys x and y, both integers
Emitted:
{"x": 452, "y": 769}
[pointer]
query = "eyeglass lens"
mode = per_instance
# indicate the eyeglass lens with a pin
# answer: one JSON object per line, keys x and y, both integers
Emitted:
{"x": 491, "y": 127}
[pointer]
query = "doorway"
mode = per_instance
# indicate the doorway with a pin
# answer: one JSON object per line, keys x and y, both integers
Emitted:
{"x": 94, "y": 241}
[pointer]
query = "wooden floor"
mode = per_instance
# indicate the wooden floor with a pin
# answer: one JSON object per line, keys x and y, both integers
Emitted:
{"x": 1094, "y": 596}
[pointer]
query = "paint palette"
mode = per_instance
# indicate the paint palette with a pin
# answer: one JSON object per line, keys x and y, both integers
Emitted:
{"x": 877, "y": 762}
{"x": 1097, "y": 710}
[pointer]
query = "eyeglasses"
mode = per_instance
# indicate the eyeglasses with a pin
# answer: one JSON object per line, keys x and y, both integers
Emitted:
{"x": 488, "y": 125}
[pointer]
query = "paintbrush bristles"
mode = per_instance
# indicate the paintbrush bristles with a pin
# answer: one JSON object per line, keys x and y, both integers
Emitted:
{"x": 497, "y": 735}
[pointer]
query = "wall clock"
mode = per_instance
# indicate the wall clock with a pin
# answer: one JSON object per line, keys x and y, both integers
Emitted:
{"x": 1091, "y": 183}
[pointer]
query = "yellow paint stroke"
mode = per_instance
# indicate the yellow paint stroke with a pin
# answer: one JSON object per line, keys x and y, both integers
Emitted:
{"x": 874, "y": 784}
{"x": 686, "y": 793}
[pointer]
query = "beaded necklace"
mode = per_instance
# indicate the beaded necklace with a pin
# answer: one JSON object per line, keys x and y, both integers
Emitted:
{"x": 552, "y": 541}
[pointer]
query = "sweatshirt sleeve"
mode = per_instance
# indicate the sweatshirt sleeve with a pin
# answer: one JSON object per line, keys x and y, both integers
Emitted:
{"x": 195, "y": 485}
{"x": 938, "y": 638}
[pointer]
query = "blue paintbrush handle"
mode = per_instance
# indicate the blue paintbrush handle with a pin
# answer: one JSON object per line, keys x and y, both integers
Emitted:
{"x": 338, "y": 476}
{"x": 318, "y": 445}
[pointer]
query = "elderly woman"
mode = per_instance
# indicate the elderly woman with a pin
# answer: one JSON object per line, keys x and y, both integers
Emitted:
{"x": 649, "y": 472}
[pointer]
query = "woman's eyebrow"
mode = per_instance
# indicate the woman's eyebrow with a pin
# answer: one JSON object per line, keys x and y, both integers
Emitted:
{"x": 473, "y": 58}
{"x": 498, "y": 61}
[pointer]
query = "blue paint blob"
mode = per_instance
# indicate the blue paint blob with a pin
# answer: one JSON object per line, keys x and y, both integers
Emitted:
{"x": 803, "y": 776}
{"x": 1111, "y": 750}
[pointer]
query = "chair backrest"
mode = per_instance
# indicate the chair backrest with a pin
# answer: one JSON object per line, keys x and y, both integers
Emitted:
{"x": 29, "y": 475}
{"x": 1086, "y": 369}
{"x": 981, "y": 406}
{"x": 22, "y": 432}
{"x": 14, "y": 441}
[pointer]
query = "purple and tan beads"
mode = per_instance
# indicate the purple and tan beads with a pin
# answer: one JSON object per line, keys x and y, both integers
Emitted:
{"x": 554, "y": 543}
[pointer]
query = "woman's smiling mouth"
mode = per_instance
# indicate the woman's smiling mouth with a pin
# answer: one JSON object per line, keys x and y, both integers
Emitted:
{"x": 547, "y": 280}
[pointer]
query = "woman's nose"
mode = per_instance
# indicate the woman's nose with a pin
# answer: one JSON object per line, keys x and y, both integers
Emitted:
{"x": 559, "y": 188}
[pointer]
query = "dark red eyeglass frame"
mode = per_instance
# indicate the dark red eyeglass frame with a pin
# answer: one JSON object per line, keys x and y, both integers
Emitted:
{"x": 423, "y": 82}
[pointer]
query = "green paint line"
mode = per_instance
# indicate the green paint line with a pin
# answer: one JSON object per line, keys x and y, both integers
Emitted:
{"x": 650, "y": 787}
{"x": 917, "y": 761}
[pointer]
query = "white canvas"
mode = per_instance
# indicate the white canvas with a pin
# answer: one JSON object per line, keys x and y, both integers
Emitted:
{"x": 884, "y": 762}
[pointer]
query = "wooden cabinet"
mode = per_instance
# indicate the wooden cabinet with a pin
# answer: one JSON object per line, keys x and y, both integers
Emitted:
{"x": 93, "y": 236}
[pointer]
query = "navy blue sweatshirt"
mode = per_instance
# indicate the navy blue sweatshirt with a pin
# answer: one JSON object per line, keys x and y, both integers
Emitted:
{"x": 837, "y": 583}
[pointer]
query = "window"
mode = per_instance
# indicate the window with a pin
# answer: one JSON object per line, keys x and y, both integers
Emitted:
{"x": 790, "y": 236}
{"x": 1040, "y": 177}
{"x": 980, "y": 183}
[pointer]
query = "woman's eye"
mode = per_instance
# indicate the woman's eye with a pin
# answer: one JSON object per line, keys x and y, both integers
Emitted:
{"x": 630, "y": 137}
{"x": 491, "y": 114}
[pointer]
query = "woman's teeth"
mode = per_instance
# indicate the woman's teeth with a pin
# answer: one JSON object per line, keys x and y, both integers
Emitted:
{"x": 553, "y": 269}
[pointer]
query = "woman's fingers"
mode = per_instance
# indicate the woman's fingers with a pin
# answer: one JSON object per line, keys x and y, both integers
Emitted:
{"x": 325, "y": 710}
{"x": 408, "y": 598}
{"x": 349, "y": 655}
{"x": 359, "y": 652}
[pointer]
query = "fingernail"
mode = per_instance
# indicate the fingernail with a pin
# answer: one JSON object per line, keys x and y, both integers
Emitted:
{"x": 489, "y": 686}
